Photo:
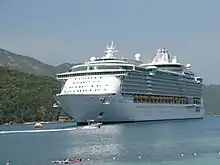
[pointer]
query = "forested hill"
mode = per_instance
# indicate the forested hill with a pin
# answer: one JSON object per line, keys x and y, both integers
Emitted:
{"x": 27, "y": 97}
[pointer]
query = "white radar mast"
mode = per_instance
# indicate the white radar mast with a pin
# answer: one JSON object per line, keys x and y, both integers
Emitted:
{"x": 110, "y": 50}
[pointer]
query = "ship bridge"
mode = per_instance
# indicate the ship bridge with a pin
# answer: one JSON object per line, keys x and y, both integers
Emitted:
{"x": 108, "y": 64}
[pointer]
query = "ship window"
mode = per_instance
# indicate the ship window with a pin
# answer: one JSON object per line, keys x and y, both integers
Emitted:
{"x": 103, "y": 67}
{"x": 140, "y": 68}
{"x": 80, "y": 68}
{"x": 127, "y": 67}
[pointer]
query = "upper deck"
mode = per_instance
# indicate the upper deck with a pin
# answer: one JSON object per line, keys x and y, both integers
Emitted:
{"x": 109, "y": 63}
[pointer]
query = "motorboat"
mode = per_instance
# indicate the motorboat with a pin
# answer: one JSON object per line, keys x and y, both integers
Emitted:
{"x": 92, "y": 124}
{"x": 38, "y": 125}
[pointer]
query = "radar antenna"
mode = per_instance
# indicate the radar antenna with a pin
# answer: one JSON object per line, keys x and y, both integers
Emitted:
{"x": 110, "y": 50}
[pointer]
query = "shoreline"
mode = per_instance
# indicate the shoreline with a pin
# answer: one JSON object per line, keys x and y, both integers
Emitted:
{"x": 42, "y": 122}
{"x": 66, "y": 121}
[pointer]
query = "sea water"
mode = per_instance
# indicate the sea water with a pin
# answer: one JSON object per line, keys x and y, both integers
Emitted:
{"x": 186, "y": 142}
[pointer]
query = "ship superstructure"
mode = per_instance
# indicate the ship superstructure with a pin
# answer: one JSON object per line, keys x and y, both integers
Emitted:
{"x": 111, "y": 89}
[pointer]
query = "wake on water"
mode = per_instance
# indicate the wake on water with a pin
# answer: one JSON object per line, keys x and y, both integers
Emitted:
{"x": 42, "y": 130}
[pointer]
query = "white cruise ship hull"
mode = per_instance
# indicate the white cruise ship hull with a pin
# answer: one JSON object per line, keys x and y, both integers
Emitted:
{"x": 113, "y": 110}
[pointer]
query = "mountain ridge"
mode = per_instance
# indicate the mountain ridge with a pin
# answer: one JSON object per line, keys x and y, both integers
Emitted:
{"x": 30, "y": 65}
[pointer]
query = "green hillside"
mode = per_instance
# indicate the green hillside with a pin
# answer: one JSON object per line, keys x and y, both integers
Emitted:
{"x": 27, "y": 97}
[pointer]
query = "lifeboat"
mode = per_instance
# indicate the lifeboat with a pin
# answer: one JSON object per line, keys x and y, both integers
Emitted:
{"x": 145, "y": 98}
{"x": 139, "y": 98}
{"x": 135, "y": 98}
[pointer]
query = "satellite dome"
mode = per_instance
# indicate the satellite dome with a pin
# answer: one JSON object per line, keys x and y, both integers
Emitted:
{"x": 137, "y": 56}
{"x": 188, "y": 66}
{"x": 92, "y": 59}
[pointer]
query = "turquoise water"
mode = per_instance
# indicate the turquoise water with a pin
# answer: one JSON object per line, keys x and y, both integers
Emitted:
{"x": 157, "y": 143}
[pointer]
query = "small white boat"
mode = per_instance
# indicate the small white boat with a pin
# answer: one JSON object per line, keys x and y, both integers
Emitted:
{"x": 92, "y": 124}
{"x": 38, "y": 125}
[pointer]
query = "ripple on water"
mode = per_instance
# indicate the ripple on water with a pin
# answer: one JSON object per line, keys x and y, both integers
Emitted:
{"x": 156, "y": 143}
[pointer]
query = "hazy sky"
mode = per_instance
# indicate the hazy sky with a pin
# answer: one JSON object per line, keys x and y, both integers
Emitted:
{"x": 57, "y": 31}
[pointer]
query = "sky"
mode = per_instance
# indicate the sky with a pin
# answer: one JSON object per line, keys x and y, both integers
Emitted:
{"x": 58, "y": 31}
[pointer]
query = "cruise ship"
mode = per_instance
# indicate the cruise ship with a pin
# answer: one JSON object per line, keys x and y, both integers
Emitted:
{"x": 110, "y": 89}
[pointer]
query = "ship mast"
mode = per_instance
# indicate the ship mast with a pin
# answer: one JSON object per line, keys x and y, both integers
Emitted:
{"x": 109, "y": 52}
